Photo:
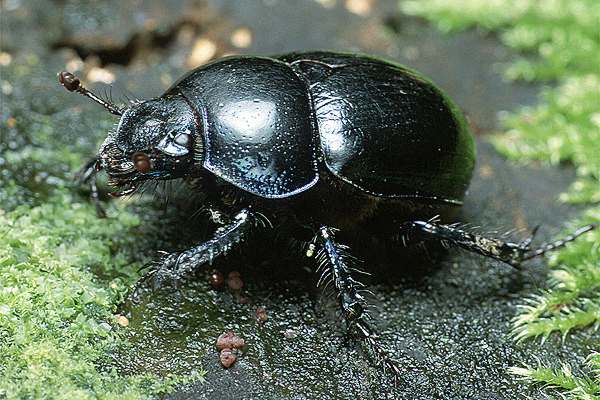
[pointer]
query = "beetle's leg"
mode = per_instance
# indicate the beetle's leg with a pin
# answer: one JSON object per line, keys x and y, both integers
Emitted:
{"x": 511, "y": 253}
{"x": 96, "y": 198}
{"x": 333, "y": 263}
{"x": 174, "y": 266}
{"x": 87, "y": 175}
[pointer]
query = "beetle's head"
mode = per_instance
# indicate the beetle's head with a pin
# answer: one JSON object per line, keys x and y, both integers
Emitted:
{"x": 155, "y": 139}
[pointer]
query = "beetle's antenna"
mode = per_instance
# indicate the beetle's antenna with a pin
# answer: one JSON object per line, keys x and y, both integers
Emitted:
{"x": 73, "y": 84}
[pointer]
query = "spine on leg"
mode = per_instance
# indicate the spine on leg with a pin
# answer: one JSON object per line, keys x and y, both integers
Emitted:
{"x": 333, "y": 260}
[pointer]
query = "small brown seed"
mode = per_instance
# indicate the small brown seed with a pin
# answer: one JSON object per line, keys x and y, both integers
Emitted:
{"x": 233, "y": 274}
{"x": 261, "y": 314}
{"x": 122, "y": 320}
{"x": 227, "y": 357}
{"x": 235, "y": 283}
{"x": 229, "y": 340}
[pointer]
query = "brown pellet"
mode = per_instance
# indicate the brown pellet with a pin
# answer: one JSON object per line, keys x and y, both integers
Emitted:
{"x": 229, "y": 340}
{"x": 227, "y": 357}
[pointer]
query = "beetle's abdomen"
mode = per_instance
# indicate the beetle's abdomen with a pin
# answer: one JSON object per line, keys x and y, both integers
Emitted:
{"x": 257, "y": 128}
{"x": 385, "y": 129}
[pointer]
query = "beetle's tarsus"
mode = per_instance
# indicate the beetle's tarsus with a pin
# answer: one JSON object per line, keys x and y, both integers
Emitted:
{"x": 544, "y": 248}
{"x": 510, "y": 253}
{"x": 333, "y": 265}
{"x": 388, "y": 365}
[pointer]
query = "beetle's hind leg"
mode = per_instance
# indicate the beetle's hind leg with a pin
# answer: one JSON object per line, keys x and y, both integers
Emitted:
{"x": 174, "y": 266}
{"x": 334, "y": 265}
{"x": 511, "y": 253}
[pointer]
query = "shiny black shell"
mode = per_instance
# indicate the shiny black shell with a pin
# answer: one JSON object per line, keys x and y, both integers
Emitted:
{"x": 271, "y": 126}
{"x": 257, "y": 125}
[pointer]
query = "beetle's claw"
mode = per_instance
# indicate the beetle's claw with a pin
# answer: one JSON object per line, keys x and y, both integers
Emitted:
{"x": 525, "y": 244}
{"x": 396, "y": 374}
{"x": 390, "y": 368}
{"x": 517, "y": 253}
{"x": 166, "y": 272}
{"x": 162, "y": 272}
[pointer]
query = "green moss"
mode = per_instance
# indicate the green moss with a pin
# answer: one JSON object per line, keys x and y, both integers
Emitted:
{"x": 560, "y": 36}
{"x": 560, "y": 40}
{"x": 579, "y": 388}
{"x": 564, "y": 127}
{"x": 63, "y": 271}
{"x": 573, "y": 298}
{"x": 56, "y": 317}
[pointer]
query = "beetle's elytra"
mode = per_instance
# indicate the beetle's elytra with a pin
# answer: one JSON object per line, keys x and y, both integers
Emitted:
{"x": 314, "y": 141}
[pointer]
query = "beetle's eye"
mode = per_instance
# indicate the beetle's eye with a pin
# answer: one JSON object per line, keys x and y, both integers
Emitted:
{"x": 183, "y": 139}
{"x": 141, "y": 162}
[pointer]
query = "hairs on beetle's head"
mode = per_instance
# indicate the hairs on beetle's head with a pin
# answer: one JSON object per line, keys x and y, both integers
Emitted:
{"x": 73, "y": 84}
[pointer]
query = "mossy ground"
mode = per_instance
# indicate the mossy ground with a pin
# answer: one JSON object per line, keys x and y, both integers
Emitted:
{"x": 62, "y": 270}
{"x": 560, "y": 41}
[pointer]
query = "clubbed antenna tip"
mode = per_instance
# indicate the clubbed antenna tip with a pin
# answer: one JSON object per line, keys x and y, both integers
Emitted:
{"x": 73, "y": 84}
{"x": 69, "y": 81}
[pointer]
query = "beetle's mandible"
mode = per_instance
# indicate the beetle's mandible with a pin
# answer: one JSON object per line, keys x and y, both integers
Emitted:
{"x": 321, "y": 141}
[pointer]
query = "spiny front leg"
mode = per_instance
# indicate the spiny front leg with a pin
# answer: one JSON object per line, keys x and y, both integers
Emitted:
{"x": 333, "y": 263}
{"x": 176, "y": 265}
{"x": 511, "y": 253}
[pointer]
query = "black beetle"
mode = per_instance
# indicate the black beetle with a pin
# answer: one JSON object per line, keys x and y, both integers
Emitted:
{"x": 318, "y": 140}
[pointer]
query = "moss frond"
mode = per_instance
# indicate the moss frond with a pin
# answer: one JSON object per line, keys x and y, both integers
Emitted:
{"x": 575, "y": 387}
